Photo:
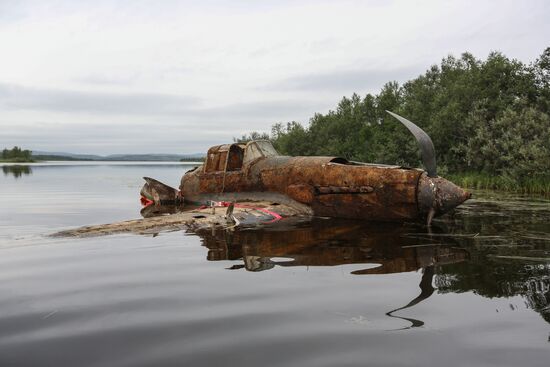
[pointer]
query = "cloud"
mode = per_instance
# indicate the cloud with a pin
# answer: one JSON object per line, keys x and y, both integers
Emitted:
{"x": 351, "y": 80}
{"x": 272, "y": 110}
{"x": 15, "y": 97}
{"x": 18, "y": 97}
{"x": 108, "y": 80}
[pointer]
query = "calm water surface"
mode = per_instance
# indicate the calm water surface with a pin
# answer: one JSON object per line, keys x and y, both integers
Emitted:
{"x": 473, "y": 291}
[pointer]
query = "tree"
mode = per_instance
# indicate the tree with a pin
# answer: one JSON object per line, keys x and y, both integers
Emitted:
{"x": 16, "y": 153}
{"x": 254, "y": 135}
{"x": 515, "y": 145}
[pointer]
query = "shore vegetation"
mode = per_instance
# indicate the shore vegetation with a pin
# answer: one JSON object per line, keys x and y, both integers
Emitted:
{"x": 16, "y": 155}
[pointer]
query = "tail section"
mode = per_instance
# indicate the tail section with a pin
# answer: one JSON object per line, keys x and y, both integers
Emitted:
{"x": 155, "y": 192}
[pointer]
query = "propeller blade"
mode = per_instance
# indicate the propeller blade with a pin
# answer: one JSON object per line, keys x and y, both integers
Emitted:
{"x": 426, "y": 146}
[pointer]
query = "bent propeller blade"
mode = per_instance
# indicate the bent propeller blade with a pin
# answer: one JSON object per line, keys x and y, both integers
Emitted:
{"x": 426, "y": 145}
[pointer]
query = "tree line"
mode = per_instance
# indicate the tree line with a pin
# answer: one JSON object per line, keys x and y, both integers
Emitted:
{"x": 488, "y": 117}
{"x": 16, "y": 154}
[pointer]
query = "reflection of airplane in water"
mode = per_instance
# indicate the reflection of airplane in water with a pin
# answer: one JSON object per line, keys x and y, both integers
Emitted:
{"x": 329, "y": 243}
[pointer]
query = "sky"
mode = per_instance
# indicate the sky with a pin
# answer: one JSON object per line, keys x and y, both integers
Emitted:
{"x": 106, "y": 77}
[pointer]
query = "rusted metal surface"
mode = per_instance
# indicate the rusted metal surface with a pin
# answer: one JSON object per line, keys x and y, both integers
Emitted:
{"x": 330, "y": 186}
{"x": 324, "y": 190}
{"x": 228, "y": 157}
{"x": 439, "y": 194}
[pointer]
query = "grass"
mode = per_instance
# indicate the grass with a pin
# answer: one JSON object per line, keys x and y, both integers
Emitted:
{"x": 482, "y": 181}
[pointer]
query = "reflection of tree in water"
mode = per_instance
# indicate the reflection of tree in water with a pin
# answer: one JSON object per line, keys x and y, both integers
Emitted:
{"x": 490, "y": 278}
{"x": 509, "y": 243}
{"x": 537, "y": 293}
{"x": 17, "y": 170}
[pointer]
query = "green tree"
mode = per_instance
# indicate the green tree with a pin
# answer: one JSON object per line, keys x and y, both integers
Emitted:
{"x": 254, "y": 135}
{"x": 515, "y": 145}
{"x": 17, "y": 154}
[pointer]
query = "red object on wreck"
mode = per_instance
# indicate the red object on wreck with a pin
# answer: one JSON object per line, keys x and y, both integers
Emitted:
{"x": 145, "y": 202}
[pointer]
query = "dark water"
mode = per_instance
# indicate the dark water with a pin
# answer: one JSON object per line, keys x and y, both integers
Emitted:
{"x": 475, "y": 291}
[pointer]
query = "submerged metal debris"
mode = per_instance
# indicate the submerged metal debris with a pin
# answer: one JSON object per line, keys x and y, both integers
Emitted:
{"x": 217, "y": 215}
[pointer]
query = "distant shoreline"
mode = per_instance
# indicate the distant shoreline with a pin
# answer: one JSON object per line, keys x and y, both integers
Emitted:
{"x": 18, "y": 160}
{"x": 18, "y": 155}
{"x": 47, "y": 156}
{"x": 125, "y": 158}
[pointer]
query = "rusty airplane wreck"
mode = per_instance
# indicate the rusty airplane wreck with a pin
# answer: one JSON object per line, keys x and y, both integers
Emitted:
{"x": 250, "y": 184}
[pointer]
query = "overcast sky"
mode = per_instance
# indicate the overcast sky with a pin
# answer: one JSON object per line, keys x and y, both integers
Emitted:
{"x": 179, "y": 76}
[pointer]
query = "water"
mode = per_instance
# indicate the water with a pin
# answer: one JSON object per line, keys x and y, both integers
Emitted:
{"x": 473, "y": 291}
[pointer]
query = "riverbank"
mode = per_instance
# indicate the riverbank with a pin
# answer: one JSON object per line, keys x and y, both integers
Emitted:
{"x": 481, "y": 181}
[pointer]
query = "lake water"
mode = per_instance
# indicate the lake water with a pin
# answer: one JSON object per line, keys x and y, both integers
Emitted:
{"x": 473, "y": 291}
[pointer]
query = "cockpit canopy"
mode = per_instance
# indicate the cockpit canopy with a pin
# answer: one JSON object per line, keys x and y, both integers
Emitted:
{"x": 232, "y": 157}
